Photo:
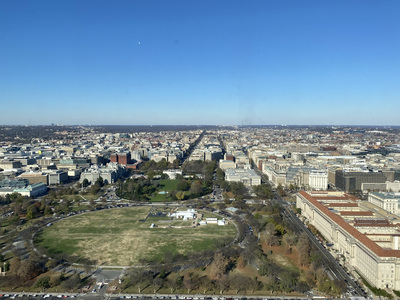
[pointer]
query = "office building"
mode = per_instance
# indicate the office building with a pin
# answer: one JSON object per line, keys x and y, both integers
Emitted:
{"x": 369, "y": 245}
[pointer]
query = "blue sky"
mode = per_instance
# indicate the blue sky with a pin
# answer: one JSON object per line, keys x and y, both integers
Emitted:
{"x": 200, "y": 62}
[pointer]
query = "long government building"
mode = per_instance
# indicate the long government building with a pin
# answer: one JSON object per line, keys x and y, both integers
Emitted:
{"x": 368, "y": 241}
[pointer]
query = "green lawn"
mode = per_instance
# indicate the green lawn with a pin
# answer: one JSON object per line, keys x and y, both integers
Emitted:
{"x": 118, "y": 237}
{"x": 166, "y": 185}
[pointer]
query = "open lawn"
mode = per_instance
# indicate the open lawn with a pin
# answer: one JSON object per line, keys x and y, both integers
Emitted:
{"x": 118, "y": 237}
{"x": 166, "y": 186}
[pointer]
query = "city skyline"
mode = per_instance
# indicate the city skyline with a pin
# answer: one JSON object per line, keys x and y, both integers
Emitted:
{"x": 199, "y": 63}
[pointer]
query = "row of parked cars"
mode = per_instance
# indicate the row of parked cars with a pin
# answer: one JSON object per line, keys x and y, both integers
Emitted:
{"x": 35, "y": 296}
{"x": 203, "y": 298}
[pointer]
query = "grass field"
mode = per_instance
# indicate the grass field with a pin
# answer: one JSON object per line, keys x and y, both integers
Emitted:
{"x": 166, "y": 185}
{"x": 117, "y": 237}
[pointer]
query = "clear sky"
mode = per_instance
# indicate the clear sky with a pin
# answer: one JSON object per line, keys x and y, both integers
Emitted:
{"x": 200, "y": 62}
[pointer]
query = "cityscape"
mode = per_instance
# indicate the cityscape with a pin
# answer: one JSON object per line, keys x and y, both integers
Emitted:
{"x": 192, "y": 212}
{"x": 199, "y": 150}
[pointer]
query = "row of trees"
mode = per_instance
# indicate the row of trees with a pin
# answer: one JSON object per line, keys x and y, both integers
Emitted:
{"x": 26, "y": 273}
{"x": 71, "y": 282}
{"x": 190, "y": 281}
{"x": 162, "y": 165}
{"x": 220, "y": 278}
{"x": 142, "y": 189}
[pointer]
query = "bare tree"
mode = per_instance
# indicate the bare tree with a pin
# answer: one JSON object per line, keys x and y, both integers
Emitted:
{"x": 206, "y": 284}
{"x": 157, "y": 284}
{"x": 174, "y": 282}
{"x": 224, "y": 283}
{"x": 238, "y": 282}
{"x": 218, "y": 266}
{"x": 140, "y": 278}
{"x": 190, "y": 281}
{"x": 304, "y": 248}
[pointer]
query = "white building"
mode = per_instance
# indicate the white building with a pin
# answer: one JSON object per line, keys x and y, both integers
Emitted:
{"x": 33, "y": 190}
{"x": 226, "y": 164}
{"x": 384, "y": 187}
{"x": 172, "y": 173}
{"x": 386, "y": 201}
{"x": 318, "y": 180}
{"x": 247, "y": 176}
{"x": 109, "y": 173}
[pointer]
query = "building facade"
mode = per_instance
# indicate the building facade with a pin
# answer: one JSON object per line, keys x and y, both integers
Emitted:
{"x": 365, "y": 251}
{"x": 247, "y": 176}
{"x": 350, "y": 181}
{"x": 387, "y": 201}
{"x": 318, "y": 180}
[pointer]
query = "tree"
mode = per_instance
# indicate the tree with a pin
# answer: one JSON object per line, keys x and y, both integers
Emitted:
{"x": 180, "y": 195}
{"x": 190, "y": 281}
{"x": 272, "y": 284}
{"x": 157, "y": 284}
{"x": 289, "y": 239}
{"x": 239, "y": 282}
{"x": 253, "y": 284}
{"x": 29, "y": 215}
{"x": 85, "y": 182}
{"x": 270, "y": 239}
{"x": 239, "y": 202}
{"x": 280, "y": 190}
{"x": 302, "y": 287}
{"x": 176, "y": 163}
{"x": 140, "y": 278}
{"x": 26, "y": 270}
{"x": 263, "y": 191}
{"x": 218, "y": 265}
{"x": 73, "y": 282}
{"x": 99, "y": 181}
{"x": 43, "y": 282}
{"x": 205, "y": 283}
{"x": 183, "y": 185}
{"x": 55, "y": 281}
{"x": 223, "y": 283}
{"x": 304, "y": 247}
{"x": 220, "y": 176}
{"x": 196, "y": 188}
{"x": 174, "y": 282}
{"x": 238, "y": 189}
{"x": 289, "y": 280}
